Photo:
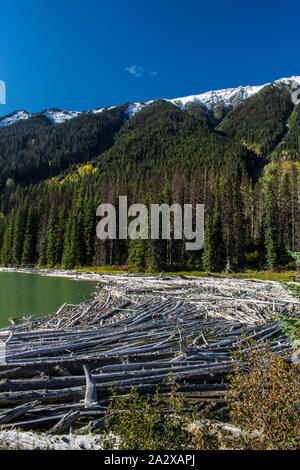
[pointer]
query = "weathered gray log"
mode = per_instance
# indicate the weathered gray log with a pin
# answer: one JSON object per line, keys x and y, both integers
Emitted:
{"x": 76, "y": 320}
{"x": 51, "y": 367}
{"x": 90, "y": 398}
{"x": 108, "y": 315}
{"x": 44, "y": 396}
{"x": 55, "y": 408}
{"x": 74, "y": 365}
{"x": 98, "y": 424}
{"x": 10, "y": 415}
{"x": 66, "y": 348}
{"x": 65, "y": 423}
{"x": 34, "y": 422}
{"x": 3, "y": 359}
{"x": 204, "y": 372}
{"x": 6, "y": 374}
{"x": 144, "y": 366}
{"x": 76, "y": 393}
{"x": 62, "y": 308}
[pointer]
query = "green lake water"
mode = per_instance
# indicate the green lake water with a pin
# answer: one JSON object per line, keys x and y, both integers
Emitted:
{"x": 32, "y": 294}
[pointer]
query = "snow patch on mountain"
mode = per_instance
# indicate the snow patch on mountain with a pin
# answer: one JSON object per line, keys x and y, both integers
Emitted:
{"x": 98, "y": 110}
{"x": 134, "y": 108}
{"x": 290, "y": 81}
{"x": 228, "y": 97}
{"x": 13, "y": 118}
{"x": 58, "y": 117}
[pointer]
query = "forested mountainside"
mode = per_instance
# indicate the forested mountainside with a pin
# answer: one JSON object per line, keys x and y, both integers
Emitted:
{"x": 33, "y": 150}
{"x": 261, "y": 121}
{"x": 239, "y": 157}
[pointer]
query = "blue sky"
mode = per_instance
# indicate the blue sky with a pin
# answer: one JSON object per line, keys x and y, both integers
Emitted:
{"x": 79, "y": 55}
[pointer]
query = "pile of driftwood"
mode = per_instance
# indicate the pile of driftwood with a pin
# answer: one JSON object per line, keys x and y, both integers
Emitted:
{"x": 56, "y": 372}
{"x": 248, "y": 301}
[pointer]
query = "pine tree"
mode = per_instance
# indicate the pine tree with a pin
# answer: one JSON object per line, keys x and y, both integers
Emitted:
{"x": 29, "y": 249}
{"x": 89, "y": 229}
{"x": 214, "y": 253}
{"x": 52, "y": 234}
{"x": 208, "y": 246}
{"x": 139, "y": 253}
{"x": 19, "y": 234}
{"x": 43, "y": 258}
{"x": 3, "y": 222}
{"x": 239, "y": 225}
{"x": 68, "y": 258}
{"x": 8, "y": 236}
{"x": 271, "y": 224}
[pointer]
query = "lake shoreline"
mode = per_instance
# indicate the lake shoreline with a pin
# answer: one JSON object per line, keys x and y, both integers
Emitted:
{"x": 64, "y": 273}
{"x": 91, "y": 275}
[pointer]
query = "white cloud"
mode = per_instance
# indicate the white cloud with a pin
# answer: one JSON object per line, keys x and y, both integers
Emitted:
{"x": 131, "y": 69}
{"x": 138, "y": 71}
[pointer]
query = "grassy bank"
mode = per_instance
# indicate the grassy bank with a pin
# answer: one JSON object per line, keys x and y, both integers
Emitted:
{"x": 283, "y": 276}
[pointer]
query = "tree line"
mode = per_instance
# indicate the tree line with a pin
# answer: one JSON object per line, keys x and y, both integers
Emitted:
{"x": 247, "y": 224}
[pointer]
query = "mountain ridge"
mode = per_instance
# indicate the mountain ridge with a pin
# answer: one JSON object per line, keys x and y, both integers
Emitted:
{"x": 210, "y": 100}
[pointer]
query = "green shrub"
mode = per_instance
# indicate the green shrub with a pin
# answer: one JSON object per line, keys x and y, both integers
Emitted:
{"x": 290, "y": 326}
{"x": 263, "y": 404}
{"x": 147, "y": 423}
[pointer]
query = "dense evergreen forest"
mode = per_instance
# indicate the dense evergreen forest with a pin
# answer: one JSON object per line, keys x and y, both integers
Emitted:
{"x": 246, "y": 171}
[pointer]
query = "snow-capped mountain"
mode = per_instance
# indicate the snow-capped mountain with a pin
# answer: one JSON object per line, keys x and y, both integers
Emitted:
{"x": 289, "y": 81}
{"x": 14, "y": 117}
{"x": 56, "y": 116}
{"x": 229, "y": 98}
